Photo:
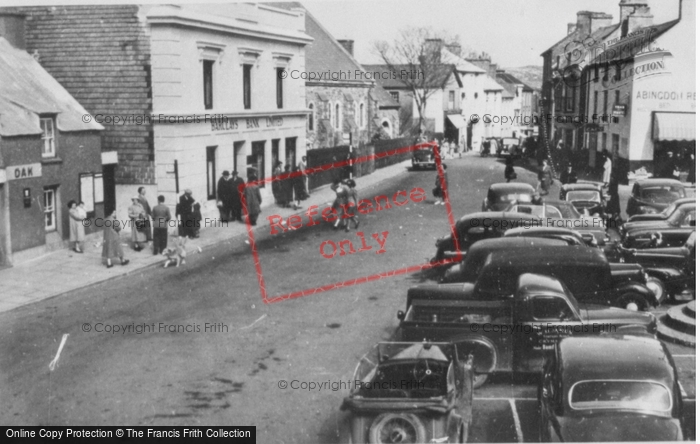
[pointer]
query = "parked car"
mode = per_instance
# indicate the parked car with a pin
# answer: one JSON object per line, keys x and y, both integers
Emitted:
{"x": 423, "y": 158}
{"x": 585, "y": 271}
{"x": 511, "y": 334}
{"x": 585, "y": 197}
{"x": 651, "y": 196}
{"x": 502, "y": 195}
{"x": 671, "y": 232}
{"x": 509, "y": 147}
{"x": 572, "y": 237}
{"x": 683, "y": 205}
{"x": 610, "y": 388}
{"x": 468, "y": 269}
{"x": 410, "y": 393}
{"x": 671, "y": 270}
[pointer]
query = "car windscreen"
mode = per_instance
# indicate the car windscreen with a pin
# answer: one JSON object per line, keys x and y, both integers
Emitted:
{"x": 423, "y": 378}
{"x": 567, "y": 209}
{"x": 515, "y": 197}
{"x": 662, "y": 194}
{"x": 620, "y": 394}
{"x": 583, "y": 196}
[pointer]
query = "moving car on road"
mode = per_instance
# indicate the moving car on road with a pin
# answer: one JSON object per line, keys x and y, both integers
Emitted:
{"x": 501, "y": 195}
{"x": 585, "y": 197}
{"x": 654, "y": 195}
{"x": 415, "y": 392}
{"x": 685, "y": 205}
{"x": 423, "y": 158}
{"x": 509, "y": 147}
{"x": 610, "y": 388}
{"x": 512, "y": 334}
{"x": 671, "y": 270}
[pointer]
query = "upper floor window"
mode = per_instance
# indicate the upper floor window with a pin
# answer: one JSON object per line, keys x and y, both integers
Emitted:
{"x": 362, "y": 115}
{"x": 208, "y": 79}
{"x": 337, "y": 117}
{"x": 451, "y": 100}
{"x": 48, "y": 137}
{"x": 246, "y": 86}
{"x": 311, "y": 117}
{"x": 280, "y": 74}
{"x": 394, "y": 95}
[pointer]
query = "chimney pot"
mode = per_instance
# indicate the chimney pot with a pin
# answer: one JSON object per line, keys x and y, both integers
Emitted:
{"x": 12, "y": 29}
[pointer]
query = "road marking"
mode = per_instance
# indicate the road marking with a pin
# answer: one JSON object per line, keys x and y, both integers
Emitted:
{"x": 52, "y": 364}
{"x": 505, "y": 399}
{"x": 516, "y": 420}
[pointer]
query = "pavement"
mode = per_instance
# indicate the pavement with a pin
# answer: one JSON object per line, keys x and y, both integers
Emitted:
{"x": 65, "y": 271}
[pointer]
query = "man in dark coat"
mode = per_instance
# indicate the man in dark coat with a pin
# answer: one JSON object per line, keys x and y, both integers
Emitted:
{"x": 253, "y": 200}
{"x": 186, "y": 213}
{"x": 236, "y": 207}
{"x": 147, "y": 209}
{"x": 667, "y": 167}
{"x": 161, "y": 218}
{"x": 225, "y": 192}
{"x": 568, "y": 175}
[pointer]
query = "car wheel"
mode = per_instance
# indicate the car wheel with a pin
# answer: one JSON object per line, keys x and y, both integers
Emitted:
{"x": 480, "y": 380}
{"x": 633, "y": 302}
{"x": 657, "y": 286}
{"x": 397, "y": 428}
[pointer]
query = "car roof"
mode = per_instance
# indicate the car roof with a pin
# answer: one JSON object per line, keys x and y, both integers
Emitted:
{"x": 531, "y": 283}
{"x": 495, "y": 215}
{"x": 542, "y": 230}
{"x": 683, "y": 200}
{"x": 658, "y": 182}
{"x": 580, "y": 186}
{"x": 574, "y": 255}
{"x": 614, "y": 357}
{"x": 500, "y": 243}
{"x": 509, "y": 187}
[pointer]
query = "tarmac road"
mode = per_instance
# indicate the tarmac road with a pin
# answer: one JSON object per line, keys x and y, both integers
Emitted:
{"x": 234, "y": 354}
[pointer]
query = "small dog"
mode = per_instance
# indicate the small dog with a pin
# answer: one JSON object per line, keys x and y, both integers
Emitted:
{"x": 177, "y": 254}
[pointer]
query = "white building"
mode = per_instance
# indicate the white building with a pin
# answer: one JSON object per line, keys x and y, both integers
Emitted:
{"x": 219, "y": 81}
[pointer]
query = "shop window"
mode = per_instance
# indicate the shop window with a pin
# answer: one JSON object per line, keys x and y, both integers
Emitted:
{"x": 246, "y": 86}
{"x": 48, "y": 137}
{"x": 275, "y": 152}
{"x": 50, "y": 209}
{"x": 311, "y": 117}
{"x": 211, "y": 172}
{"x": 280, "y": 87}
{"x": 256, "y": 162}
{"x": 290, "y": 146}
{"x": 208, "y": 77}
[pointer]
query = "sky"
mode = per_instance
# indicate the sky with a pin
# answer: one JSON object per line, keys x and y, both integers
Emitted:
{"x": 513, "y": 32}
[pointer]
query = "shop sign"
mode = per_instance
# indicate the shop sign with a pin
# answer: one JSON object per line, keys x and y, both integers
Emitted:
{"x": 619, "y": 110}
{"x": 224, "y": 123}
{"x": 27, "y": 171}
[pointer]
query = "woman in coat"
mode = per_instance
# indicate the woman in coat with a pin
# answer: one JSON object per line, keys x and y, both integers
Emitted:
{"x": 510, "y": 170}
{"x": 112, "y": 245}
{"x": 77, "y": 229}
{"x": 277, "y": 184}
{"x": 137, "y": 214}
{"x": 185, "y": 210}
{"x": 253, "y": 200}
{"x": 299, "y": 188}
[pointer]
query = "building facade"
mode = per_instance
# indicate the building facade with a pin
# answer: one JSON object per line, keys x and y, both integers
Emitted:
{"x": 48, "y": 155}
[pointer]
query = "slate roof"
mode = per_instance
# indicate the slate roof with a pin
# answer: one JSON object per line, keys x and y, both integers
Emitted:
{"x": 461, "y": 65}
{"x": 325, "y": 53}
{"x": 491, "y": 85}
{"x": 512, "y": 81}
{"x": 383, "y": 98}
{"x": 392, "y": 79}
{"x": 27, "y": 90}
{"x": 565, "y": 43}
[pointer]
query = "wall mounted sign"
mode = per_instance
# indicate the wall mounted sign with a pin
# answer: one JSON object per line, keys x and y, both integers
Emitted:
{"x": 27, "y": 171}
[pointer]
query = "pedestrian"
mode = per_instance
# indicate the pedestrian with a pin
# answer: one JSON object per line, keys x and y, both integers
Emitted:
{"x": 352, "y": 205}
{"x": 82, "y": 210}
{"x": 253, "y": 200}
{"x": 185, "y": 227}
{"x": 544, "y": 176}
{"x": 287, "y": 188}
{"x": 112, "y": 245}
{"x": 568, "y": 176}
{"x": 510, "y": 170}
{"x": 237, "y": 186}
{"x": 342, "y": 193}
{"x": 438, "y": 191}
{"x": 196, "y": 218}
{"x": 304, "y": 175}
{"x": 77, "y": 229}
{"x": 277, "y": 192}
{"x": 161, "y": 219}
{"x": 607, "y": 168}
{"x": 147, "y": 210}
{"x": 691, "y": 170}
{"x": 613, "y": 206}
{"x": 299, "y": 188}
{"x": 224, "y": 192}
{"x": 137, "y": 214}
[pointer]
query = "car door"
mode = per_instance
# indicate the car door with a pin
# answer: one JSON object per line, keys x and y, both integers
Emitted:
{"x": 542, "y": 320}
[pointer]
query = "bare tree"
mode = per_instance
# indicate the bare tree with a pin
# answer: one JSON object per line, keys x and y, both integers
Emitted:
{"x": 414, "y": 60}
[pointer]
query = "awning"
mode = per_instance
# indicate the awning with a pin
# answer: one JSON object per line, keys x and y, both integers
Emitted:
{"x": 457, "y": 120}
{"x": 674, "y": 126}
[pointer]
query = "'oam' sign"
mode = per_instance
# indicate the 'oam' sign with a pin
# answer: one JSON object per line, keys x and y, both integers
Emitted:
{"x": 28, "y": 171}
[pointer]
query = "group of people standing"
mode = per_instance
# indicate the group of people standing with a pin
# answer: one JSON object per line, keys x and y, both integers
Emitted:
{"x": 291, "y": 189}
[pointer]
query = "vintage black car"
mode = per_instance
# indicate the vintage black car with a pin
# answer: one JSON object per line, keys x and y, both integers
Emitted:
{"x": 585, "y": 271}
{"x": 610, "y": 388}
{"x": 671, "y": 232}
{"x": 410, "y": 393}
{"x": 671, "y": 270}
{"x": 509, "y": 147}
{"x": 424, "y": 158}
{"x": 654, "y": 195}
{"x": 572, "y": 237}
{"x": 586, "y": 197}
{"x": 685, "y": 205}
{"x": 502, "y": 195}
{"x": 511, "y": 334}
{"x": 468, "y": 269}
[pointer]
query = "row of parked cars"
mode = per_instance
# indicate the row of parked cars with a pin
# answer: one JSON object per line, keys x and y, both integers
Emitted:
{"x": 514, "y": 295}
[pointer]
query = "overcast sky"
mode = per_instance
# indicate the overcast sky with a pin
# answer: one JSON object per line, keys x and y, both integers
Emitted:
{"x": 513, "y": 32}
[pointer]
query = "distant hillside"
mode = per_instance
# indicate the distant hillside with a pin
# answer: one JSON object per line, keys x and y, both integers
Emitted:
{"x": 531, "y": 75}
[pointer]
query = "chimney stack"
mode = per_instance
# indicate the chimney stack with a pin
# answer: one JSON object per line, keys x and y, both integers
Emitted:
{"x": 627, "y": 8}
{"x": 433, "y": 47}
{"x": 570, "y": 27}
{"x": 641, "y": 18}
{"x": 600, "y": 20}
{"x": 349, "y": 46}
{"x": 12, "y": 29}
{"x": 454, "y": 48}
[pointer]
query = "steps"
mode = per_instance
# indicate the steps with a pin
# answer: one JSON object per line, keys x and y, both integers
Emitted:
{"x": 678, "y": 324}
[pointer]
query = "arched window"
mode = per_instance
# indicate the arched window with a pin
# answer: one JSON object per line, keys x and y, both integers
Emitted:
{"x": 362, "y": 115}
{"x": 356, "y": 110}
{"x": 387, "y": 127}
{"x": 337, "y": 116}
{"x": 311, "y": 117}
